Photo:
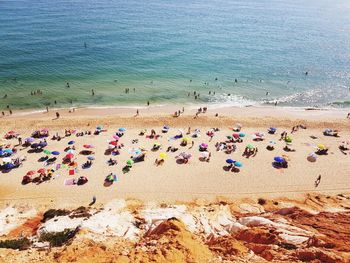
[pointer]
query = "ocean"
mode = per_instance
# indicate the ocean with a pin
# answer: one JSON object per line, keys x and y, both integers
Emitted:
{"x": 231, "y": 52}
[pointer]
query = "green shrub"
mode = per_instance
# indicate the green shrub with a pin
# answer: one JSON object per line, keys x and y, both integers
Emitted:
{"x": 53, "y": 212}
{"x": 58, "y": 239}
{"x": 21, "y": 243}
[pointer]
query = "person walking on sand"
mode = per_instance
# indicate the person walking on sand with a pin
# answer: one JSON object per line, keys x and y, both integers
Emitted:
{"x": 137, "y": 112}
{"x": 93, "y": 201}
{"x": 57, "y": 115}
{"x": 348, "y": 115}
{"x": 318, "y": 180}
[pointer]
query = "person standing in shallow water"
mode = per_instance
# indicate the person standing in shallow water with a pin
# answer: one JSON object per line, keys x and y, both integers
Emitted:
{"x": 92, "y": 92}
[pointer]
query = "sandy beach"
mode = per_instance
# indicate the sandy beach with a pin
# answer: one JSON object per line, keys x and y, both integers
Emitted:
{"x": 181, "y": 182}
{"x": 179, "y": 212}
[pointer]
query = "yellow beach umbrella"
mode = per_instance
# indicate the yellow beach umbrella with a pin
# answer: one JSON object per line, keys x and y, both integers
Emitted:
{"x": 163, "y": 155}
{"x": 321, "y": 146}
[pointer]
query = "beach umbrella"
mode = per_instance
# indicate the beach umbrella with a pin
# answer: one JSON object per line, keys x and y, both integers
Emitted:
{"x": 250, "y": 146}
{"x": 116, "y": 137}
{"x": 134, "y": 151}
{"x": 113, "y": 143}
{"x": 321, "y": 146}
{"x": 205, "y": 154}
{"x": 279, "y": 159}
{"x": 8, "y": 166}
{"x": 238, "y": 164}
{"x": 47, "y": 152}
{"x": 166, "y": 127}
{"x": 230, "y": 161}
{"x": 55, "y": 153}
{"x": 121, "y": 129}
{"x": 288, "y": 139}
{"x": 1, "y": 153}
{"x": 272, "y": 129}
{"x": 110, "y": 146}
{"x": 129, "y": 162}
{"x": 272, "y": 142}
{"x": 45, "y": 130}
{"x": 41, "y": 171}
{"x": 29, "y": 139}
{"x": 9, "y": 151}
{"x": 71, "y": 142}
{"x": 7, "y": 160}
{"x": 203, "y": 145}
{"x": 71, "y": 151}
{"x": 34, "y": 145}
{"x": 91, "y": 158}
{"x": 241, "y": 134}
{"x": 163, "y": 155}
{"x": 69, "y": 156}
{"x": 30, "y": 172}
{"x": 235, "y": 135}
{"x": 42, "y": 144}
{"x": 88, "y": 146}
{"x": 185, "y": 155}
{"x": 312, "y": 157}
{"x": 99, "y": 127}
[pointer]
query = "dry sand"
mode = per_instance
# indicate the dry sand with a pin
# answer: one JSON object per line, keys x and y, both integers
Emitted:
{"x": 175, "y": 182}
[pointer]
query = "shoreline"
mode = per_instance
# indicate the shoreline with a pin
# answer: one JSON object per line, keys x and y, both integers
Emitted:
{"x": 191, "y": 106}
{"x": 163, "y": 109}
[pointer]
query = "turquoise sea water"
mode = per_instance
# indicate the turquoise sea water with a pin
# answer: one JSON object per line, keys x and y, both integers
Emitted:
{"x": 158, "y": 46}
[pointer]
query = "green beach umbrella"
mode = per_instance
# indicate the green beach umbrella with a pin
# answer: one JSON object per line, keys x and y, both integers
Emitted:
{"x": 129, "y": 162}
{"x": 288, "y": 139}
{"x": 250, "y": 146}
{"x": 47, "y": 152}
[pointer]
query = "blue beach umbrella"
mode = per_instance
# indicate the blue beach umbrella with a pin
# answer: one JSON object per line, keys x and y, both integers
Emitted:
{"x": 279, "y": 159}
{"x": 2, "y": 153}
{"x": 8, "y": 151}
{"x": 230, "y": 161}
{"x": 29, "y": 139}
{"x": 34, "y": 145}
{"x": 71, "y": 142}
{"x": 121, "y": 129}
{"x": 99, "y": 127}
{"x": 91, "y": 158}
{"x": 9, "y": 166}
{"x": 42, "y": 144}
{"x": 242, "y": 134}
{"x": 55, "y": 153}
{"x": 238, "y": 164}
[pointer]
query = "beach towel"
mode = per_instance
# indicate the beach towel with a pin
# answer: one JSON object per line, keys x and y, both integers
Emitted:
{"x": 69, "y": 181}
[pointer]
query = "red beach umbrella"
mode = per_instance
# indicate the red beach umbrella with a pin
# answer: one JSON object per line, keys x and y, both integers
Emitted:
{"x": 31, "y": 172}
{"x": 41, "y": 171}
{"x": 113, "y": 143}
{"x": 69, "y": 156}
